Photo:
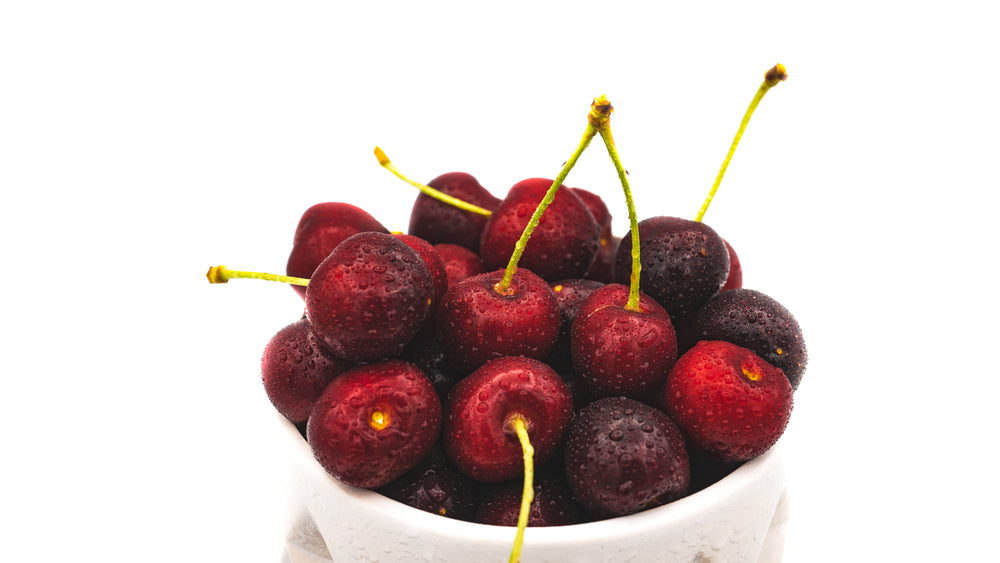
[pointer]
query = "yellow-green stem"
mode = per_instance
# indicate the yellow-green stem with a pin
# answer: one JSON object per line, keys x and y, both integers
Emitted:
{"x": 503, "y": 285}
{"x": 427, "y": 190}
{"x": 633, "y": 291}
{"x": 528, "y": 493}
{"x": 771, "y": 79}
{"x": 222, "y": 274}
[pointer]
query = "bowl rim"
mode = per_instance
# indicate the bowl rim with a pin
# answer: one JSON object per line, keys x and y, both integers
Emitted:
{"x": 680, "y": 512}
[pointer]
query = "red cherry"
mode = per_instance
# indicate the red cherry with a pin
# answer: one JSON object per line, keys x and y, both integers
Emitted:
{"x": 295, "y": 369}
{"x": 321, "y": 228}
{"x": 478, "y": 435}
{"x": 735, "y": 278}
{"x": 369, "y": 298}
{"x": 727, "y": 401}
{"x": 459, "y": 262}
{"x": 621, "y": 352}
{"x": 438, "y": 222}
{"x": 562, "y": 246}
{"x": 375, "y": 422}
{"x": 553, "y": 505}
{"x": 477, "y": 324}
{"x": 432, "y": 259}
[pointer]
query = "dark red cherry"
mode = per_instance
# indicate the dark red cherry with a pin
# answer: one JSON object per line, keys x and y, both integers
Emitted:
{"x": 369, "y": 298}
{"x": 436, "y": 486}
{"x": 430, "y": 256}
{"x": 604, "y": 262}
{"x": 623, "y": 456}
{"x": 562, "y": 246}
{"x": 438, "y": 222}
{"x": 684, "y": 263}
{"x": 478, "y": 434}
{"x": 459, "y": 262}
{"x": 735, "y": 278}
{"x": 374, "y": 423}
{"x": 476, "y": 323}
{"x": 570, "y": 294}
{"x": 321, "y": 228}
{"x": 621, "y": 352}
{"x": 553, "y": 504}
{"x": 753, "y": 320}
{"x": 295, "y": 369}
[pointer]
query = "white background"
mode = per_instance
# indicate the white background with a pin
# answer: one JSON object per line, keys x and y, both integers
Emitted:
{"x": 142, "y": 142}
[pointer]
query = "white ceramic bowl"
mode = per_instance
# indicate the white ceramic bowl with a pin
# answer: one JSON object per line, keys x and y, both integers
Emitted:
{"x": 740, "y": 518}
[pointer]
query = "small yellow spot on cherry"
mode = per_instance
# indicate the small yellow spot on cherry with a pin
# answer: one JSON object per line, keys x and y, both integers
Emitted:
{"x": 380, "y": 419}
{"x": 557, "y": 288}
{"x": 779, "y": 351}
{"x": 751, "y": 374}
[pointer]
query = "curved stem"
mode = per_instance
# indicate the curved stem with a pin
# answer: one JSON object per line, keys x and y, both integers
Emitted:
{"x": 222, "y": 274}
{"x": 528, "y": 494}
{"x": 427, "y": 190}
{"x": 771, "y": 79}
{"x": 633, "y": 291}
{"x": 504, "y": 284}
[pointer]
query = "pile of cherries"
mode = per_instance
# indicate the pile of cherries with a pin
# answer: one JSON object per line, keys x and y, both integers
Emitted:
{"x": 421, "y": 358}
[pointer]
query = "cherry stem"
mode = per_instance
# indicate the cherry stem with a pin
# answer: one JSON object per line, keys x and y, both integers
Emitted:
{"x": 771, "y": 79}
{"x": 633, "y": 291}
{"x": 528, "y": 495}
{"x": 502, "y": 287}
{"x": 427, "y": 190}
{"x": 222, "y": 274}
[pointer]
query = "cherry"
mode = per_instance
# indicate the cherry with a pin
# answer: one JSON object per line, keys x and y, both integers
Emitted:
{"x": 619, "y": 350}
{"x": 684, "y": 263}
{"x": 459, "y": 262}
{"x": 321, "y": 228}
{"x": 436, "y": 486}
{"x": 570, "y": 294}
{"x": 602, "y": 268}
{"x": 553, "y": 505}
{"x": 623, "y": 456}
{"x": 374, "y": 423}
{"x": 295, "y": 369}
{"x": 477, "y": 323}
{"x": 478, "y": 435}
{"x": 426, "y": 353}
{"x": 428, "y": 253}
{"x": 753, "y": 320}
{"x": 452, "y": 208}
{"x": 567, "y": 234}
{"x": 735, "y": 278}
{"x": 369, "y": 297}
{"x": 727, "y": 401}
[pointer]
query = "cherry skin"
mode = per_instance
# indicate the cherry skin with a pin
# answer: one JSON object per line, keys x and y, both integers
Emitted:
{"x": 321, "y": 228}
{"x": 563, "y": 245}
{"x": 623, "y": 456}
{"x": 369, "y": 297}
{"x": 476, "y": 323}
{"x": 753, "y": 320}
{"x": 374, "y": 423}
{"x": 438, "y": 222}
{"x": 620, "y": 352}
{"x": 735, "y": 278}
{"x": 553, "y": 505}
{"x": 604, "y": 262}
{"x": 432, "y": 259}
{"x": 478, "y": 435}
{"x": 295, "y": 369}
{"x": 684, "y": 263}
{"x": 728, "y": 402}
{"x": 570, "y": 294}
{"x": 459, "y": 262}
{"x": 436, "y": 486}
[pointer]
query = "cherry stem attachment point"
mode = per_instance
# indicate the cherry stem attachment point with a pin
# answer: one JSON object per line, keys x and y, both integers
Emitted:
{"x": 528, "y": 494}
{"x": 772, "y": 78}
{"x": 222, "y": 274}
{"x": 502, "y": 287}
{"x": 427, "y": 190}
{"x": 605, "y": 130}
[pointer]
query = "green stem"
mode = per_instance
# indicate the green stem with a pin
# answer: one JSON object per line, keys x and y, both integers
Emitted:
{"x": 427, "y": 190}
{"x": 633, "y": 291}
{"x": 222, "y": 274}
{"x": 528, "y": 493}
{"x": 503, "y": 286}
{"x": 771, "y": 79}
